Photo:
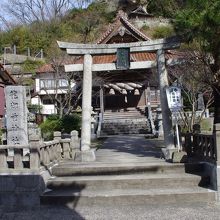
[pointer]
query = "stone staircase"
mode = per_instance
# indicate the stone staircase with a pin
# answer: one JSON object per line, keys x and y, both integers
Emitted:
{"x": 86, "y": 184}
{"x": 125, "y": 122}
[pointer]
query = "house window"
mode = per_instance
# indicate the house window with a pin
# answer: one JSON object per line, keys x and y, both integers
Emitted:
{"x": 63, "y": 83}
{"x": 47, "y": 101}
{"x": 51, "y": 83}
{"x": 47, "y": 84}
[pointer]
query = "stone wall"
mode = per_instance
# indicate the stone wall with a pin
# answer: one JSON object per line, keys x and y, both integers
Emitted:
{"x": 20, "y": 190}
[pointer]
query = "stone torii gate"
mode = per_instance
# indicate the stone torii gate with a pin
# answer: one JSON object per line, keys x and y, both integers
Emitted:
{"x": 87, "y": 50}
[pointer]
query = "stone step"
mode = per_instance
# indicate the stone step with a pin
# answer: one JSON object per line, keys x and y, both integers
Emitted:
{"x": 123, "y": 125}
{"x": 78, "y": 169}
{"x": 126, "y": 109}
{"x": 125, "y": 118}
{"x": 147, "y": 135}
{"x": 120, "y": 133}
{"x": 125, "y": 131}
{"x": 135, "y": 181}
{"x": 115, "y": 129}
{"x": 76, "y": 198}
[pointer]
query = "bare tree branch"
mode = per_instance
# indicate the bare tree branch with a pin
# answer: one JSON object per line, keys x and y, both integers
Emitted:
{"x": 28, "y": 11}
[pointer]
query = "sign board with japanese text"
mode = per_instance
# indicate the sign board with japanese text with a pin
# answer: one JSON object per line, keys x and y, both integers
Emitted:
{"x": 16, "y": 115}
{"x": 123, "y": 58}
{"x": 174, "y": 98}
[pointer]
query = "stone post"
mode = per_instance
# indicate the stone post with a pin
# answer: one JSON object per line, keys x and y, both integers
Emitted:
{"x": 66, "y": 149}
{"x": 74, "y": 143}
{"x": 86, "y": 153}
{"x": 166, "y": 114}
{"x": 34, "y": 152}
{"x": 57, "y": 135}
{"x": 148, "y": 104}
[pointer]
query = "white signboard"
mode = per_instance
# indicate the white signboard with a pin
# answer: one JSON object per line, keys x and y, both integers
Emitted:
{"x": 174, "y": 98}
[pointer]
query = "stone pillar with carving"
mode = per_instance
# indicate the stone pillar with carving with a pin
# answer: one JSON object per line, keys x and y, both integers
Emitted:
{"x": 16, "y": 115}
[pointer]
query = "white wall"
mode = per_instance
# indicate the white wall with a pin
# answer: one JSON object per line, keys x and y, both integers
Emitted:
{"x": 48, "y": 110}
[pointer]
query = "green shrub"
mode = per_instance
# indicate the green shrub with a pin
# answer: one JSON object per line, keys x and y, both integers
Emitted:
{"x": 34, "y": 108}
{"x": 70, "y": 123}
{"x": 66, "y": 124}
{"x": 162, "y": 32}
{"x": 50, "y": 125}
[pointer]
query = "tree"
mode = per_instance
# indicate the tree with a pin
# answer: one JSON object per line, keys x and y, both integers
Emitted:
{"x": 190, "y": 76}
{"x": 87, "y": 22}
{"x": 165, "y": 8}
{"x": 199, "y": 22}
{"x": 62, "y": 95}
{"x": 29, "y": 11}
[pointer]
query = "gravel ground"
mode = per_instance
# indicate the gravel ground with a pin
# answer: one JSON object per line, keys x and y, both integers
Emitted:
{"x": 160, "y": 212}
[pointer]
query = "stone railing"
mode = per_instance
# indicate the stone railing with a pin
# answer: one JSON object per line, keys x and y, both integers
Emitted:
{"x": 38, "y": 154}
{"x": 202, "y": 146}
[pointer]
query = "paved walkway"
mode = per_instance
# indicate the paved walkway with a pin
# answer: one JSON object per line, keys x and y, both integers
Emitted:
{"x": 127, "y": 149}
{"x": 134, "y": 212}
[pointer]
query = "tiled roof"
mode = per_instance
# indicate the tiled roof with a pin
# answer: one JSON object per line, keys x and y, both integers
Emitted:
{"x": 48, "y": 67}
{"x": 121, "y": 21}
{"x": 111, "y": 58}
{"x": 45, "y": 68}
{"x": 134, "y": 57}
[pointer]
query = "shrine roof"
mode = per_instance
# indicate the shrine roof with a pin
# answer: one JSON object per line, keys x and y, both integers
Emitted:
{"x": 6, "y": 76}
{"x": 119, "y": 27}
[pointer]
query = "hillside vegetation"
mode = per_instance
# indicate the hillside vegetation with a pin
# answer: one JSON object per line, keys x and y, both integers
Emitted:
{"x": 77, "y": 25}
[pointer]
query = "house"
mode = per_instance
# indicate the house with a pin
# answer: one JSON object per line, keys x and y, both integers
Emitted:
{"x": 52, "y": 88}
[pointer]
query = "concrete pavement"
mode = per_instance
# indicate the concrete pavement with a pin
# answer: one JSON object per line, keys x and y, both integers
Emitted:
{"x": 177, "y": 212}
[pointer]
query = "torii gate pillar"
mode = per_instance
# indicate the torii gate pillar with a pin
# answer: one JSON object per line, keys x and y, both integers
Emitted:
{"x": 86, "y": 154}
{"x": 166, "y": 114}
